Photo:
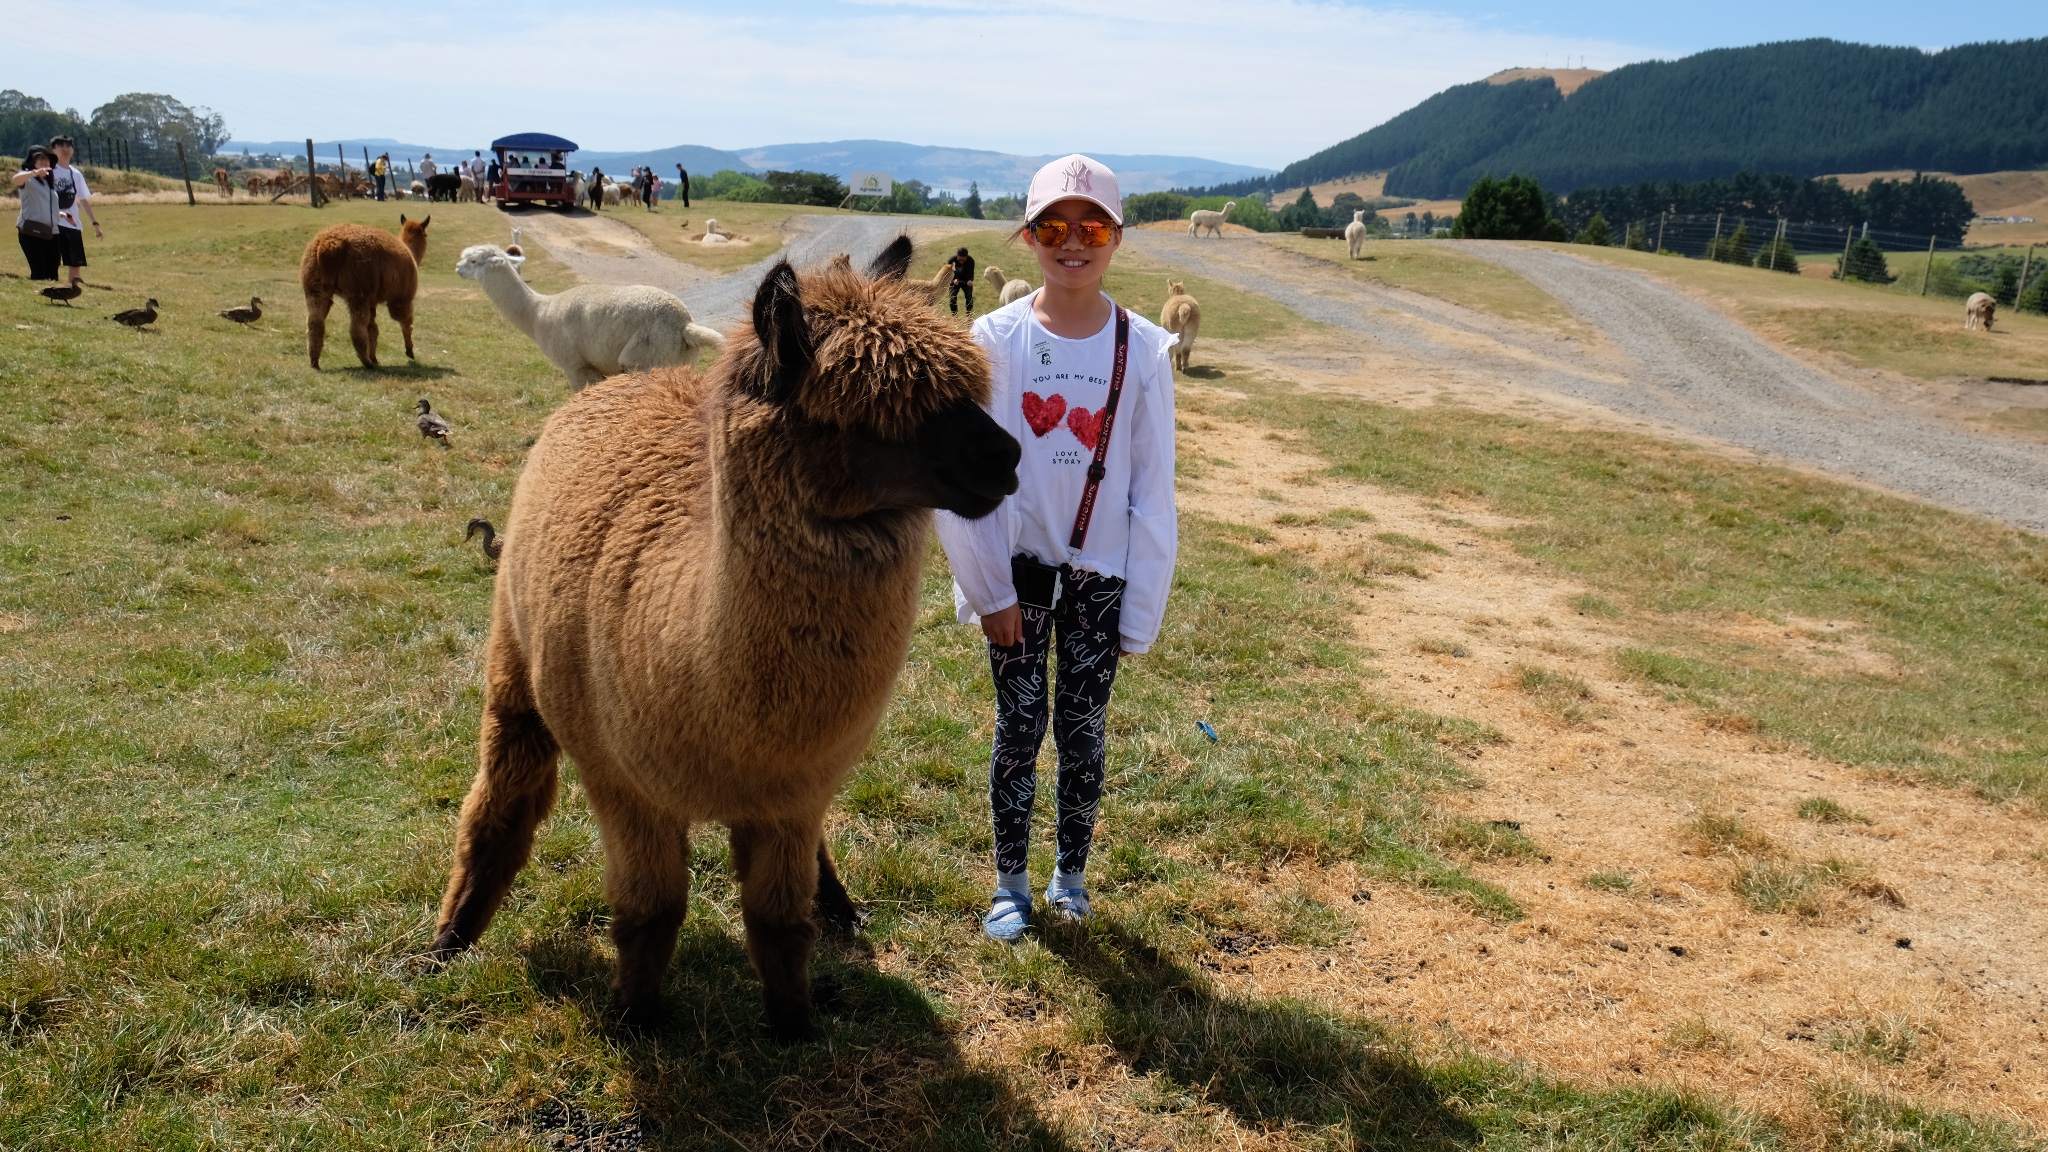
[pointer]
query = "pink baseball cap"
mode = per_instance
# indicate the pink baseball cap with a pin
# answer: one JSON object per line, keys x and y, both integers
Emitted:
{"x": 1075, "y": 177}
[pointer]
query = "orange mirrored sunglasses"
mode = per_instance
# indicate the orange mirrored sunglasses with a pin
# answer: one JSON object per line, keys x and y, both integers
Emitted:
{"x": 1094, "y": 233}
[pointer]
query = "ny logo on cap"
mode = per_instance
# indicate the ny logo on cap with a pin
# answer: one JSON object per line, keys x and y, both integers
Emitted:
{"x": 1078, "y": 178}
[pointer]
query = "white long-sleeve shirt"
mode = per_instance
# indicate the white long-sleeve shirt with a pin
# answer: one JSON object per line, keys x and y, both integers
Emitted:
{"x": 1048, "y": 392}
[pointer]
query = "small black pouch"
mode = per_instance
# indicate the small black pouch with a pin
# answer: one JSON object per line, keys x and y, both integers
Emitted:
{"x": 1038, "y": 585}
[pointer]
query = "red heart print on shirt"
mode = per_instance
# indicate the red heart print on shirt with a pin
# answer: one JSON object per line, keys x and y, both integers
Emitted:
{"x": 1044, "y": 414}
{"x": 1086, "y": 426}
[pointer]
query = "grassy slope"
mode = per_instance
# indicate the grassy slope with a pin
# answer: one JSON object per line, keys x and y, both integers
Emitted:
{"x": 1442, "y": 271}
{"x": 1686, "y": 539}
{"x": 761, "y": 224}
{"x": 237, "y": 707}
{"x": 1867, "y": 325}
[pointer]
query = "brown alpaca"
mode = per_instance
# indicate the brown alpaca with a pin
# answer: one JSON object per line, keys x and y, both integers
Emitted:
{"x": 364, "y": 267}
{"x": 706, "y": 594}
{"x": 221, "y": 185}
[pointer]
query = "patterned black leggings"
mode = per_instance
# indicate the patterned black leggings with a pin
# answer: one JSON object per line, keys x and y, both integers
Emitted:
{"x": 1085, "y": 621}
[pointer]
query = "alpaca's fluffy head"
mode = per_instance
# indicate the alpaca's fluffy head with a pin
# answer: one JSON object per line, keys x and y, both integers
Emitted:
{"x": 413, "y": 234}
{"x": 480, "y": 258}
{"x": 1173, "y": 288}
{"x": 858, "y": 370}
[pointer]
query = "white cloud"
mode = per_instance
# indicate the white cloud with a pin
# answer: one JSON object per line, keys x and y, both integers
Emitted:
{"x": 1260, "y": 83}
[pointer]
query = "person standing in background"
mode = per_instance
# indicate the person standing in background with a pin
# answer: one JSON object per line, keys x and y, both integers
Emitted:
{"x": 36, "y": 224}
{"x": 963, "y": 281}
{"x": 491, "y": 175}
{"x": 683, "y": 184}
{"x": 596, "y": 188}
{"x": 428, "y": 168}
{"x": 381, "y": 169}
{"x": 73, "y": 197}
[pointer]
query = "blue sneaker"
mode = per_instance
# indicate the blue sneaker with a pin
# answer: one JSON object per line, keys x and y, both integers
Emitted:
{"x": 1067, "y": 903}
{"x": 1008, "y": 916}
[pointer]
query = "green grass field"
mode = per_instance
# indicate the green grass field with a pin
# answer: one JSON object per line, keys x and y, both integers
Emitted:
{"x": 239, "y": 632}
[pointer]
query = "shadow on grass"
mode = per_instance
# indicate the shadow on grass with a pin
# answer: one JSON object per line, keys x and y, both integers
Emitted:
{"x": 1274, "y": 1063}
{"x": 409, "y": 370}
{"x": 883, "y": 1074}
{"x": 1204, "y": 372}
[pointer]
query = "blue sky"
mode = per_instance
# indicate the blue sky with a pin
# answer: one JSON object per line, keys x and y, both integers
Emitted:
{"x": 1251, "y": 81}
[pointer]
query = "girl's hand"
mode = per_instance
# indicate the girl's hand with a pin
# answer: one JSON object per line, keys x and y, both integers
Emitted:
{"x": 1004, "y": 629}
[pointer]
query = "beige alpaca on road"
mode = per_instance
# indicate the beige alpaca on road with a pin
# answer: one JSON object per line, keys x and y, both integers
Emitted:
{"x": 1354, "y": 232}
{"x": 1213, "y": 221}
{"x": 1181, "y": 316}
{"x": 706, "y": 592}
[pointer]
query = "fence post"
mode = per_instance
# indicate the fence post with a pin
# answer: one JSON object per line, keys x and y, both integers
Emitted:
{"x": 312, "y": 176}
{"x": 1842, "y": 273}
{"x": 1714, "y": 247}
{"x": 2026, "y": 265}
{"x": 1929, "y": 274}
{"x": 187, "y": 170}
{"x": 1661, "y": 218}
{"x": 341, "y": 169}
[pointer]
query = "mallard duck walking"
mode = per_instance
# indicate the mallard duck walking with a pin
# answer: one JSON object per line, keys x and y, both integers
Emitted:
{"x": 493, "y": 546}
{"x": 249, "y": 315}
{"x": 64, "y": 295}
{"x": 432, "y": 426}
{"x": 141, "y": 317}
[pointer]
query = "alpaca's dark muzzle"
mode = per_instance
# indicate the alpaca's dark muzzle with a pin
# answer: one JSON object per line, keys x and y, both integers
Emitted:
{"x": 972, "y": 458}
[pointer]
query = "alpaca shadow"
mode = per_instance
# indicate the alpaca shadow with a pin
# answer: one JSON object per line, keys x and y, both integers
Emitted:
{"x": 409, "y": 370}
{"x": 883, "y": 1072}
{"x": 1203, "y": 372}
{"x": 1271, "y": 1063}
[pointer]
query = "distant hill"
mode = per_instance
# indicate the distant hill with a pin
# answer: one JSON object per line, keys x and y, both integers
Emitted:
{"x": 996, "y": 172}
{"x": 1802, "y": 108}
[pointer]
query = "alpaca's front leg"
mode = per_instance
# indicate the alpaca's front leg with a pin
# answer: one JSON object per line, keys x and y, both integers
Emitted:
{"x": 318, "y": 304}
{"x": 647, "y": 882}
{"x": 777, "y": 863}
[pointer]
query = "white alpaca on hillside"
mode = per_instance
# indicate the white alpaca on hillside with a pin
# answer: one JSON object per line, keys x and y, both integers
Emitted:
{"x": 1213, "y": 221}
{"x": 610, "y": 195}
{"x": 1979, "y": 311}
{"x": 590, "y": 331}
{"x": 1008, "y": 288}
{"x": 1354, "y": 232}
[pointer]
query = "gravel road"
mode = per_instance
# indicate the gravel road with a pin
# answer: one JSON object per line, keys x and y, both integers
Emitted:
{"x": 1687, "y": 366}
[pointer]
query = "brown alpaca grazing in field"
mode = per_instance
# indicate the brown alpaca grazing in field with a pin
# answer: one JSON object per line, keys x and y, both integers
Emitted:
{"x": 364, "y": 267}
{"x": 221, "y": 184}
{"x": 706, "y": 594}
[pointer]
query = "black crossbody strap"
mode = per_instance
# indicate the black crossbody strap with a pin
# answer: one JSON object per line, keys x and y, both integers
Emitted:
{"x": 1096, "y": 468}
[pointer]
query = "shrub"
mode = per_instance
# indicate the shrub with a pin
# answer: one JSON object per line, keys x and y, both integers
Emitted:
{"x": 726, "y": 184}
{"x": 1777, "y": 256}
{"x": 1638, "y": 238}
{"x": 1864, "y": 261}
{"x": 1510, "y": 209}
{"x": 1822, "y": 810}
{"x": 821, "y": 189}
{"x": 1734, "y": 248}
{"x": 1596, "y": 231}
{"x": 1149, "y": 207}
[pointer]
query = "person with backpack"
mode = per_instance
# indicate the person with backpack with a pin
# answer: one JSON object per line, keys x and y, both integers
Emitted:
{"x": 73, "y": 200}
{"x": 380, "y": 170}
{"x": 1080, "y": 558}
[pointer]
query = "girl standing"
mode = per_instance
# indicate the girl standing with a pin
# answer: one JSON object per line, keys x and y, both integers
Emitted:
{"x": 1081, "y": 556}
{"x": 36, "y": 224}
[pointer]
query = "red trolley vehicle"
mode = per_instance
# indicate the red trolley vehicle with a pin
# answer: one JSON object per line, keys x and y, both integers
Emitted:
{"x": 531, "y": 170}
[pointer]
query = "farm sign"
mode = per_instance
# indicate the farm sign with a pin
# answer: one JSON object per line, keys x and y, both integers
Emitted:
{"x": 871, "y": 184}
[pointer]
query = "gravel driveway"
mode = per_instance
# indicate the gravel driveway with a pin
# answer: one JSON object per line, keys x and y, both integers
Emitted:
{"x": 1687, "y": 366}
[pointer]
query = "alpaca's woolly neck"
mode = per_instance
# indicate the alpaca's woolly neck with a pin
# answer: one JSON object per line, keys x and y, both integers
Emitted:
{"x": 515, "y": 298}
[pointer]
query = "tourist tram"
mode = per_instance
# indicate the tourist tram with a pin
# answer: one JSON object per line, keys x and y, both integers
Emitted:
{"x": 532, "y": 170}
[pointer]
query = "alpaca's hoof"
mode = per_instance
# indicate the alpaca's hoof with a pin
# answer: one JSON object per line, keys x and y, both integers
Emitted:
{"x": 642, "y": 1016}
{"x": 447, "y": 946}
{"x": 791, "y": 1024}
{"x": 842, "y": 917}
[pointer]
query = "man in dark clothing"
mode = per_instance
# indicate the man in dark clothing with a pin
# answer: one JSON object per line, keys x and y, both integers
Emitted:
{"x": 963, "y": 281}
{"x": 491, "y": 176}
{"x": 596, "y": 189}
{"x": 683, "y": 184}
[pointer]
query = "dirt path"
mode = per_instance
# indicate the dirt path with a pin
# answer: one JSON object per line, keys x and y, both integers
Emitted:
{"x": 1665, "y": 975}
{"x": 1662, "y": 357}
{"x": 602, "y": 251}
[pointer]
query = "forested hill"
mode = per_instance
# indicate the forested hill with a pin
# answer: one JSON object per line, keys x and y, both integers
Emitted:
{"x": 1802, "y": 108}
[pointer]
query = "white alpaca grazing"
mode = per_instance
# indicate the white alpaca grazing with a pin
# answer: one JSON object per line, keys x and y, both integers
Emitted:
{"x": 466, "y": 191}
{"x": 1979, "y": 311}
{"x": 1213, "y": 221}
{"x": 1008, "y": 288}
{"x": 590, "y": 331}
{"x": 1354, "y": 232}
{"x": 419, "y": 190}
{"x": 610, "y": 195}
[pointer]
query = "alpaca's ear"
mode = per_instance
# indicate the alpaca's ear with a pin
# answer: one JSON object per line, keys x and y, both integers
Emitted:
{"x": 784, "y": 335}
{"x": 893, "y": 262}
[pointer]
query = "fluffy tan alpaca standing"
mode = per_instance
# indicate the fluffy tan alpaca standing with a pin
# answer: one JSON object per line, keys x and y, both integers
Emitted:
{"x": 705, "y": 596}
{"x": 1181, "y": 316}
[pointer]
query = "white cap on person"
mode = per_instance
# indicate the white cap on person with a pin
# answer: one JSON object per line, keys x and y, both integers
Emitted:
{"x": 1075, "y": 177}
